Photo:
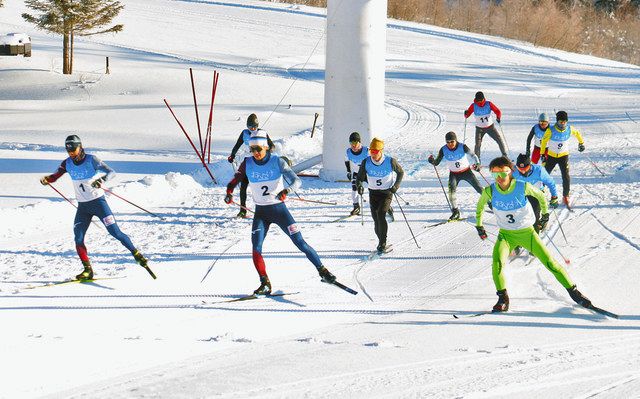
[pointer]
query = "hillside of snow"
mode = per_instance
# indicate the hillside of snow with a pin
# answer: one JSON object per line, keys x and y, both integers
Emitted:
{"x": 128, "y": 336}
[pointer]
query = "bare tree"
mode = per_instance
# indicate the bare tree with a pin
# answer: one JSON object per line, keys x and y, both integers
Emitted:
{"x": 73, "y": 17}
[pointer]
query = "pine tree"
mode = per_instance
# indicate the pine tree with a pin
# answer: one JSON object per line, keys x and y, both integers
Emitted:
{"x": 73, "y": 17}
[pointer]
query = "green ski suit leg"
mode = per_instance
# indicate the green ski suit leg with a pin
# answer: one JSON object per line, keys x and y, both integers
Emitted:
{"x": 528, "y": 239}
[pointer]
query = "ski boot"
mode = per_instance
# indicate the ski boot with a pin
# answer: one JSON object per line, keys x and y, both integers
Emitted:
{"x": 326, "y": 275}
{"x": 356, "y": 209}
{"x": 455, "y": 214}
{"x": 265, "y": 286}
{"x": 242, "y": 214}
{"x": 390, "y": 213}
{"x": 382, "y": 248}
{"x": 142, "y": 261}
{"x": 578, "y": 297}
{"x": 503, "y": 302}
{"x": 87, "y": 273}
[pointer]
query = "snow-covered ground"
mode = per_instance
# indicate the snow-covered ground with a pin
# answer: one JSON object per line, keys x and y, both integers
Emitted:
{"x": 131, "y": 336}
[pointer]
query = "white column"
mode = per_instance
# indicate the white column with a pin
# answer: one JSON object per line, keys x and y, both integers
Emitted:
{"x": 354, "y": 78}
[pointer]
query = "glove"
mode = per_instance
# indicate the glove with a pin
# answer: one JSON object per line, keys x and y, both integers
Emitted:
{"x": 349, "y": 176}
{"x": 230, "y": 158}
{"x": 44, "y": 181}
{"x": 393, "y": 189}
{"x": 360, "y": 189}
{"x": 97, "y": 183}
{"x": 431, "y": 159}
{"x": 228, "y": 198}
{"x": 475, "y": 166}
{"x": 282, "y": 195}
{"x": 580, "y": 147}
{"x": 498, "y": 120}
{"x": 481, "y": 232}
{"x": 554, "y": 202}
{"x": 542, "y": 223}
{"x": 466, "y": 115}
{"x": 543, "y": 158}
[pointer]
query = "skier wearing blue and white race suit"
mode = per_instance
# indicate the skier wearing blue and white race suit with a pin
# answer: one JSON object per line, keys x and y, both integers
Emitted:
{"x": 527, "y": 172}
{"x": 84, "y": 170}
{"x": 267, "y": 174}
{"x": 456, "y": 154}
{"x": 243, "y": 142}
{"x": 536, "y": 134}
{"x": 354, "y": 156}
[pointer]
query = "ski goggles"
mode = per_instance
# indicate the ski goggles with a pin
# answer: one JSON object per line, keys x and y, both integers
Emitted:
{"x": 71, "y": 147}
{"x": 354, "y": 142}
{"x": 502, "y": 175}
{"x": 451, "y": 141}
{"x": 375, "y": 152}
{"x": 255, "y": 148}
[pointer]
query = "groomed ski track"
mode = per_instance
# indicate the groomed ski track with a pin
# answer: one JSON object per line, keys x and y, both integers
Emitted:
{"x": 154, "y": 339}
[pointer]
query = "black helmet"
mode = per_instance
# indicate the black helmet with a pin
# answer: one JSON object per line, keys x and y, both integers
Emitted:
{"x": 479, "y": 96}
{"x": 451, "y": 136}
{"x": 562, "y": 116}
{"x": 355, "y": 136}
{"x": 72, "y": 142}
{"x": 523, "y": 161}
{"x": 252, "y": 121}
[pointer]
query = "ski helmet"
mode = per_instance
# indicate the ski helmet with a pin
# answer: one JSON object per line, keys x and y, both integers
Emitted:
{"x": 355, "y": 136}
{"x": 72, "y": 142}
{"x": 543, "y": 117}
{"x": 562, "y": 116}
{"x": 523, "y": 161}
{"x": 252, "y": 121}
{"x": 479, "y": 96}
{"x": 451, "y": 136}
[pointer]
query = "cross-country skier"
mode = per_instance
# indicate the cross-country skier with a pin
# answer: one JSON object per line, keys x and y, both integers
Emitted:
{"x": 555, "y": 147}
{"x": 484, "y": 122}
{"x": 529, "y": 173}
{"x": 355, "y": 154}
{"x": 537, "y": 132}
{"x": 378, "y": 171}
{"x": 243, "y": 139}
{"x": 267, "y": 174}
{"x": 515, "y": 219}
{"x": 86, "y": 172}
{"x": 456, "y": 153}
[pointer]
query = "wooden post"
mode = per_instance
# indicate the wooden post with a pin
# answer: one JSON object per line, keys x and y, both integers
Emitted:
{"x": 107, "y": 69}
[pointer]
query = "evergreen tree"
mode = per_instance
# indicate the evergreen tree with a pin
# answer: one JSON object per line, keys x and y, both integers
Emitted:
{"x": 73, "y": 17}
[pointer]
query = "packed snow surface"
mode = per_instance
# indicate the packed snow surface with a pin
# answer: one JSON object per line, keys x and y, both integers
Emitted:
{"x": 127, "y": 335}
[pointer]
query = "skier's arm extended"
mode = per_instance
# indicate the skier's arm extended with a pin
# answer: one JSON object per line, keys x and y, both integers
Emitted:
{"x": 532, "y": 133}
{"x": 238, "y": 177}
{"x": 62, "y": 169}
{"x": 399, "y": 174}
{"x": 438, "y": 159}
{"x": 289, "y": 176}
{"x": 474, "y": 157}
{"x": 236, "y": 147}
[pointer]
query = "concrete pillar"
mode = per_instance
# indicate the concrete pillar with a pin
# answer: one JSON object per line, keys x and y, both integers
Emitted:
{"x": 354, "y": 78}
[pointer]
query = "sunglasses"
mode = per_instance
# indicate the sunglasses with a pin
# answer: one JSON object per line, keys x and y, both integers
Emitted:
{"x": 71, "y": 147}
{"x": 354, "y": 142}
{"x": 374, "y": 152}
{"x": 502, "y": 175}
{"x": 256, "y": 148}
{"x": 451, "y": 141}
{"x": 562, "y": 121}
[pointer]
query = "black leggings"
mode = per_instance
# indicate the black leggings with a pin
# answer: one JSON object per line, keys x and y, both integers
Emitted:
{"x": 563, "y": 162}
{"x": 244, "y": 183}
{"x": 380, "y": 202}
{"x": 454, "y": 179}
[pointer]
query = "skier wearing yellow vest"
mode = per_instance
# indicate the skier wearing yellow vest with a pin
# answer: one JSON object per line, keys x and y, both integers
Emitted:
{"x": 555, "y": 147}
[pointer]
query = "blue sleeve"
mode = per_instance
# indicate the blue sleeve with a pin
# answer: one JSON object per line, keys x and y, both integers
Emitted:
{"x": 289, "y": 175}
{"x": 548, "y": 181}
{"x": 100, "y": 166}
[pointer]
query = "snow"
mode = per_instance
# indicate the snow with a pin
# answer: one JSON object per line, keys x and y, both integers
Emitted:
{"x": 131, "y": 336}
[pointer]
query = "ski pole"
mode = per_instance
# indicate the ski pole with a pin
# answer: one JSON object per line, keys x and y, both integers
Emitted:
{"x": 464, "y": 139}
{"x": 405, "y": 219}
{"x": 361, "y": 210}
{"x": 195, "y": 105}
{"x": 485, "y": 179}
{"x": 594, "y": 165}
{"x": 207, "y": 135}
{"x": 504, "y": 138}
{"x": 403, "y": 200}
{"x": 313, "y": 201}
{"x": 243, "y": 207}
{"x": 191, "y": 142}
{"x": 129, "y": 202}
{"x": 315, "y": 119}
{"x": 441, "y": 185}
{"x": 560, "y": 225}
{"x": 566, "y": 260}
